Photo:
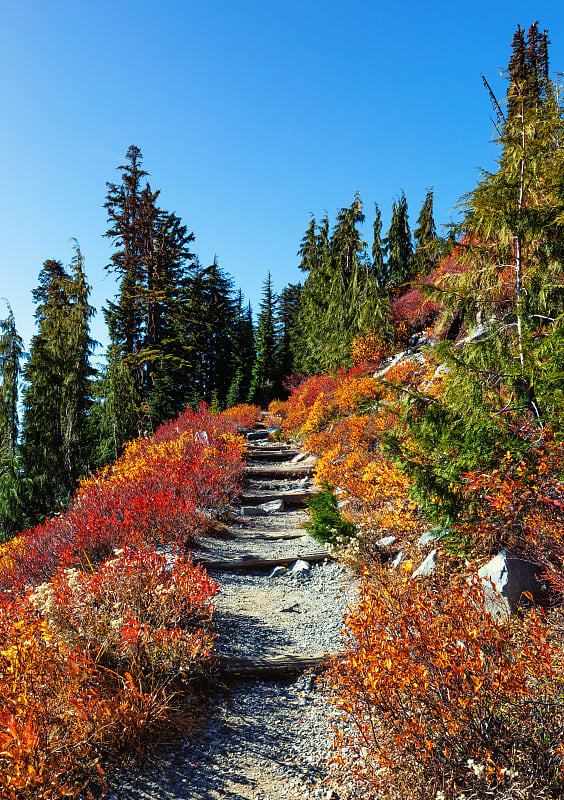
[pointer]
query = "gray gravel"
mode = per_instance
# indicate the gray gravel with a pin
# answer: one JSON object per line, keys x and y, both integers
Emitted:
{"x": 260, "y": 740}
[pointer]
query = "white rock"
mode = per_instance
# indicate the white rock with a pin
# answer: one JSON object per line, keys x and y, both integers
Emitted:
{"x": 427, "y": 567}
{"x": 300, "y": 567}
{"x": 277, "y": 571}
{"x": 505, "y": 580}
{"x": 386, "y": 541}
{"x": 252, "y": 511}
{"x": 397, "y": 559}
{"x": 273, "y": 507}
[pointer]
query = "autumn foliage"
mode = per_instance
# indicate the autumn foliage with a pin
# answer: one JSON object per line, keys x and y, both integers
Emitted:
{"x": 441, "y": 700}
{"x": 104, "y": 619}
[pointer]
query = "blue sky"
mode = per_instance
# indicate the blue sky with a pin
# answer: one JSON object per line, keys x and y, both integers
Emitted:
{"x": 250, "y": 116}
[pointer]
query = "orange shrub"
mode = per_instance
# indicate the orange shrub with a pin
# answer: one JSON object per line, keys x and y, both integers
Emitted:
{"x": 441, "y": 699}
{"x": 244, "y": 415}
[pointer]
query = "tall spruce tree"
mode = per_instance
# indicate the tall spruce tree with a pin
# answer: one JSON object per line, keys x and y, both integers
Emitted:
{"x": 243, "y": 353}
{"x": 379, "y": 267}
{"x": 398, "y": 246}
{"x": 148, "y": 353}
{"x": 266, "y": 376}
{"x": 288, "y": 311}
{"x": 426, "y": 255}
{"x": 55, "y": 448}
{"x": 12, "y": 516}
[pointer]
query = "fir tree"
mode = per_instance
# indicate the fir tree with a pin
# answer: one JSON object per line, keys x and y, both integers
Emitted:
{"x": 379, "y": 267}
{"x": 425, "y": 257}
{"x": 148, "y": 322}
{"x": 398, "y": 246}
{"x": 288, "y": 310}
{"x": 243, "y": 353}
{"x": 265, "y": 380}
{"x": 12, "y": 517}
{"x": 55, "y": 449}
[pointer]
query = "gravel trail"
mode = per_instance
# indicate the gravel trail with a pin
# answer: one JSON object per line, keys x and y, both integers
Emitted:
{"x": 260, "y": 739}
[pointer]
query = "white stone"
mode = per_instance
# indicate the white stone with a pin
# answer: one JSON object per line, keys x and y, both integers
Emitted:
{"x": 427, "y": 567}
{"x": 300, "y": 567}
{"x": 505, "y": 580}
{"x": 277, "y": 572}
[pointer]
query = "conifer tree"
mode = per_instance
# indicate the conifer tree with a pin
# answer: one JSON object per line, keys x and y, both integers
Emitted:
{"x": 288, "y": 310}
{"x": 243, "y": 353}
{"x": 398, "y": 246}
{"x": 12, "y": 517}
{"x": 265, "y": 380}
{"x": 425, "y": 257}
{"x": 55, "y": 449}
{"x": 148, "y": 321}
{"x": 11, "y": 352}
{"x": 379, "y": 267}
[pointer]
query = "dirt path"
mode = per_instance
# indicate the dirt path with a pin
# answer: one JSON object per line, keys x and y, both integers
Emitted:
{"x": 262, "y": 738}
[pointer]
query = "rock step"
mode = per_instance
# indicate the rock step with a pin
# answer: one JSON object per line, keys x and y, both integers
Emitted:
{"x": 291, "y": 497}
{"x": 257, "y": 562}
{"x": 267, "y": 666}
{"x": 277, "y": 471}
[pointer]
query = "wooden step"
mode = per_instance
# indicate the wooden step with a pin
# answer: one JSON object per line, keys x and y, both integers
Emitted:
{"x": 290, "y": 497}
{"x": 257, "y": 562}
{"x": 270, "y": 455}
{"x": 259, "y": 667}
{"x": 278, "y": 472}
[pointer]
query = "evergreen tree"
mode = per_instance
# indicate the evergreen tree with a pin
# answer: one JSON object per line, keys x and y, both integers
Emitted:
{"x": 55, "y": 449}
{"x": 11, "y": 352}
{"x": 148, "y": 322}
{"x": 265, "y": 380}
{"x": 243, "y": 353}
{"x": 398, "y": 246}
{"x": 379, "y": 267}
{"x": 288, "y": 310}
{"x": 425, "y": 257}
{"x": 12, "y": 518}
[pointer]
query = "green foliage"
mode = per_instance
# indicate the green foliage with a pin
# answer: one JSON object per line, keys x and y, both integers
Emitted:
{"x": 340, "y": 299}
{"x": 266, "y": 376}
{"x": 55, "y": 448}
{"x": 325, "y": 524}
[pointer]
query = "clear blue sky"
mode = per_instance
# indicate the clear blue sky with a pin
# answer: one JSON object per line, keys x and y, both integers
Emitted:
{"x": 250, "y": 116}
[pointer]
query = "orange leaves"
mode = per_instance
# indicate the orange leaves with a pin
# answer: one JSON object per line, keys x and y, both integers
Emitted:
{"x": 425, "y": 675}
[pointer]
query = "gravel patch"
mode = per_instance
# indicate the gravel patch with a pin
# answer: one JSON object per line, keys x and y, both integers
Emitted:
{"x": 260, "y": 740}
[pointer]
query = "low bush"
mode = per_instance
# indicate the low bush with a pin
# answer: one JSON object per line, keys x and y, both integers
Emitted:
{"x": 440, "y": 700}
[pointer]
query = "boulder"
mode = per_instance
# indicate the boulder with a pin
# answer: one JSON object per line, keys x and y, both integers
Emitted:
{"x": 431, "y": 536}
{"x": 506, "y": 578}
{"x": 253, "y": 511}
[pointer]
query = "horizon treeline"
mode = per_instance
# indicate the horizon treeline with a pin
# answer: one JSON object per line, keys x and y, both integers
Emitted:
{"x": 179, "y": 334}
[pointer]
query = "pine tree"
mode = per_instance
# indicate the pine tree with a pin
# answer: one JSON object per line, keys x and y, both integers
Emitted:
{"x": 425, "y": 257}
{"x": 266, "y": 377}
{"x": 379, "y": 267}
{"x": 55, "y": 449}
{"x": 12, "y": 518}
{"x": 148, "y": 322}
{"x": 243, "y": 353}
{"x": 288, "y": 310}
{"x": 398, "y": 246}
{"x": 11, "y": 352}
